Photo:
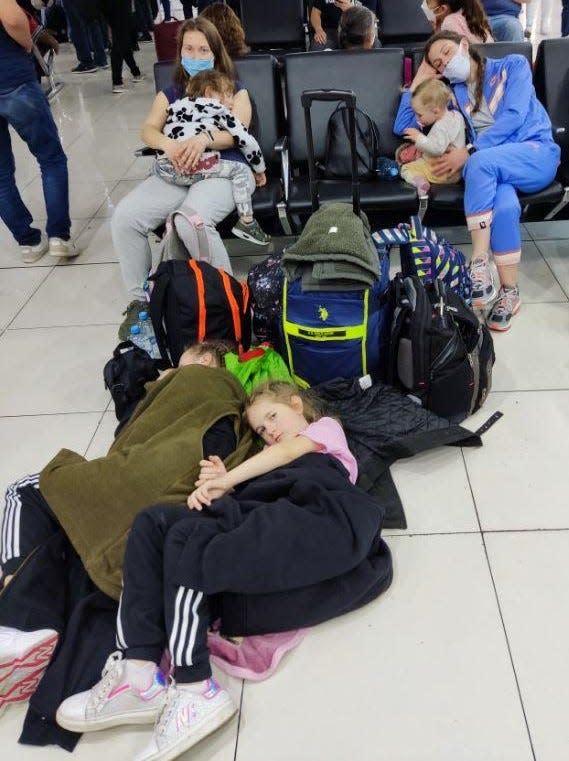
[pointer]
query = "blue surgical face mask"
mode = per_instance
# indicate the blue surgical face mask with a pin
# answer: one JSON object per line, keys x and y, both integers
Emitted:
{"x": 458, "y": 68}
{"x": 193, "y": 66}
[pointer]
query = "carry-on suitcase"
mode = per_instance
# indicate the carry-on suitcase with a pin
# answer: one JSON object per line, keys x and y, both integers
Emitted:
{"x": 330, "y": 334}
{"x": 165, "y": 39}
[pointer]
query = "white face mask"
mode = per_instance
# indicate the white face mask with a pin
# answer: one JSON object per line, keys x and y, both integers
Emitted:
{"x": 431, "y": 15}
{"x": 458, "y": 68}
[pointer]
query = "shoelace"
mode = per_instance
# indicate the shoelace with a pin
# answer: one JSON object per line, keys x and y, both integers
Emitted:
{"x": 480, "y": 273}
{"x": 111, "y": 674}
{"x": 504, "y": 305}
{"x": 168, "y": 709}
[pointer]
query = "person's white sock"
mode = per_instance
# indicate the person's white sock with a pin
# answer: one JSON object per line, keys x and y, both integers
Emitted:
{"x": 139, "y": 675}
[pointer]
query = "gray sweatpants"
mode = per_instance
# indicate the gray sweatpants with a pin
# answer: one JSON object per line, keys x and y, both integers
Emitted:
{"x": 148, "y": 206}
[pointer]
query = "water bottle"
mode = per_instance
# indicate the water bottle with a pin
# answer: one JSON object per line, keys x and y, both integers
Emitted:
{"x": 142, "y": 335}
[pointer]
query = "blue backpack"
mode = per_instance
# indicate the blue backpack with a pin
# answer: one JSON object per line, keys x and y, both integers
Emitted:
{"x": 428, "y": 256}
{"x": 336, "y": 334}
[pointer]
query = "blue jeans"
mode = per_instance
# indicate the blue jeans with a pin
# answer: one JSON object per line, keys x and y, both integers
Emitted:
{"x": 506, "y": 28}
{"x": 26, "y": 109}
{"x": 86, "y": 36}
{"x": 565, "y": 19}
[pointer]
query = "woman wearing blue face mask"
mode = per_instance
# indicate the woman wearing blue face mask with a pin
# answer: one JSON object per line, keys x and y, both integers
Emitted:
{"x": 199, "y": 48}
{"x": 510, "y": 147}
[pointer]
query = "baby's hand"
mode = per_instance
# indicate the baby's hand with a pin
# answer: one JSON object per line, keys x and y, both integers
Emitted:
{"x": 163, "y": 373}
{"x": 211, "y": 468}
{"x": 412, "y": 134}
{"x": 260, "y": 179}
{"x": 206, "y": 493}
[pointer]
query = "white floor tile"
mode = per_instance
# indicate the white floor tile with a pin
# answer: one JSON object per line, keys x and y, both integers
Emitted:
{"x": 104, "y": 435}
{"x": 554, "y": 230}
{"x": 95, "y": 243}
{"x": 556, "y": 254}
{"x": 16, "y": 287}
{"x": 532, "y": 577}
{"x": 435, "y": 493}
{"x": 531, "y": 354}
{"x": 120, "y": 190}
{"x": 422, "y": 674}
{"x": 519, "y": 476}
{"x": 104, "y": 155}
{"x": 94, "y": 295}
{"x": 28, "y": 443}
{"x": 55, "y": 369}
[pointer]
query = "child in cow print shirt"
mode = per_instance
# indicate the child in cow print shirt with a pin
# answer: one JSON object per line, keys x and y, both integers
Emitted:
{"x": 207, "y": 106}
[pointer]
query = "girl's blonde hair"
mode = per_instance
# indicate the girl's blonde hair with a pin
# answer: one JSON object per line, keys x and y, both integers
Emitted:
{"x": 281, "y": 391}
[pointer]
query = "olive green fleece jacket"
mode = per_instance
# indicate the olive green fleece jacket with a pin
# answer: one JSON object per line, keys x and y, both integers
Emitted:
{"x": 154, "y": 459}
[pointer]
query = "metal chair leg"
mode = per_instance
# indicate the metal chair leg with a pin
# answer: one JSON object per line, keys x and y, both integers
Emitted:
{"x": 561, "y": 205}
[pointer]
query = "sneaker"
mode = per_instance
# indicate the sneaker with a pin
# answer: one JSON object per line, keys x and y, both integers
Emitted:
{"x": 187, "y": 717}
{"x": 504, "y": 308}
{"x": 24, "y": 656}
{"x": 483, "y": 288}
{"x": 84, "y": 68}
{"x": 62, "y": 248}
{"x": 252, "y": 232}
{"x": 118, "y": 89}
{"x": 145, "y": 37}
{"x": 136, "y": 78}
{"x": 113, "y": 701}
{"x": 31, "y": 254}
{"x": 131, "y": 318}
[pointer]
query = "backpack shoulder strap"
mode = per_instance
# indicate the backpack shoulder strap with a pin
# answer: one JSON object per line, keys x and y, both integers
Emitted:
{"x": 233, "y": 306}
{"x": 161, "y": 279}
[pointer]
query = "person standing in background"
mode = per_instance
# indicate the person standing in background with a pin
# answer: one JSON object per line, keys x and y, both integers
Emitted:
{"x": 84, "y": 21}
{"x": 504, "y": 17}
{"x": 325, "y": 18}
{"x": 118, "y": 15}
{"x": 24, "y": 107}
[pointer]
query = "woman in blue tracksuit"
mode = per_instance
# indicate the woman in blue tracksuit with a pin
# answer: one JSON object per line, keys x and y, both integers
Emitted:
{"x": 510, "y": 148}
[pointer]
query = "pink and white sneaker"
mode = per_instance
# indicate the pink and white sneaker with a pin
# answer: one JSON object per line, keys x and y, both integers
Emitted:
{"x": 24, "y": 656}
{"x": 113, "y": 701}
{"x": 188, "y": 717}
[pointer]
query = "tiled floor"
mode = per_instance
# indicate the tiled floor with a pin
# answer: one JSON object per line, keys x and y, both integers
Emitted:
{"x": 465, "y": 657}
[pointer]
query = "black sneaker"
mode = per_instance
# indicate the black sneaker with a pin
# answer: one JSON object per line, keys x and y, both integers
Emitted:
{"x": 131, "y": 318}
{"x": 84, "y": 68}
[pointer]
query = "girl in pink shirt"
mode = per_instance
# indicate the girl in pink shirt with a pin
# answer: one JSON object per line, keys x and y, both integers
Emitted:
{"x": 465, "y": 17}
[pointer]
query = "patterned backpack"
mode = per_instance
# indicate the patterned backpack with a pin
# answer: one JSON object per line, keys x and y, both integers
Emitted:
{"x": 428, "y": 256}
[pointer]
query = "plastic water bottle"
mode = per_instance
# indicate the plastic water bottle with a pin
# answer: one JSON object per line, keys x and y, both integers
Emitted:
{"x": 142, "y": 335}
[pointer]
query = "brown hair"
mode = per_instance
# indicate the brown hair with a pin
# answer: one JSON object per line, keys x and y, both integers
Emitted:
{"x": 356, "y": 25}
{"x": 215, "y": 80}
{"x": 474, "y": 54}
{"x": 433, "y": 93}
{"x": 474, "y": 15}
{"x": 222, "y": 62}
{"x": 281, "y": 391}
{"x": 215, "y": 346}
{"x": 229, "y": 27}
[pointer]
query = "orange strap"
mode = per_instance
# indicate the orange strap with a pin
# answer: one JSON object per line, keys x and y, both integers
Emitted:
{"x": 245, "y": 289}
{"x": 233, "y": 305}
{"x": 193, "y": 265}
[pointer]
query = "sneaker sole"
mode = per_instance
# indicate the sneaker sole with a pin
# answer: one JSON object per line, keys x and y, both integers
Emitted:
{"x": 34, "y": 259}
{"x": 214, "y": 721}
{"x": 498, "y": 328}
{"x": 63, "y": 256}
{"x": 38, "y": 657}
{"x": 118, "y": 720}
{"x": 247, "y": 237}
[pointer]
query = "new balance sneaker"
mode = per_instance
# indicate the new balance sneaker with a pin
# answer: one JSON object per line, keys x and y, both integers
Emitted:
{"x": 483, "y": 288}
{"x": 136, "y": 78}
{"x": 113, "y": 701}
{"x": 504, "y": 308}
{"x": 31, "y": 254}
{"x": 24, "y": 656}
{"x": 64, "y": 249}
{"x": 131, "y": 318}
{"x": 252, "y": 232}
{"x": 187, "y": 717}
{"x": 117, "y": 89}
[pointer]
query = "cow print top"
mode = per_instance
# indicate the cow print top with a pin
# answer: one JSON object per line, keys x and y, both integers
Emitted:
{"x": 187, "y": 118}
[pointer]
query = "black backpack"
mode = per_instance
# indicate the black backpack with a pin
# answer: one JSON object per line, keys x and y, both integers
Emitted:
{"x": 439, "y": 352}
{"x": 338, "y": 156}
{"x": 125, "y": 375}
{"x": 192, "y": 301}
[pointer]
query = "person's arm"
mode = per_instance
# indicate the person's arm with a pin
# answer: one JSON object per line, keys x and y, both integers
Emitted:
{"x": 15, "y": 23}
{"x": 518, "y": 91}
{"x": 436, "y": 142}
{"x": 316, "y": 24}
{"x": 151, "y": 133}
{"x": 405, "y": 115}
{"x": 269, "y": 459}
{"x": 245, "y": 140}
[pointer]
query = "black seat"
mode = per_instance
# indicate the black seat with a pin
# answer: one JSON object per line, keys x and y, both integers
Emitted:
{"x": 278, "y": 26}
{"x": 259, "y": 74}
{"x": 375, "y": 78}
{"x": 402, "y": 23}
{"x": 488, "y": 50}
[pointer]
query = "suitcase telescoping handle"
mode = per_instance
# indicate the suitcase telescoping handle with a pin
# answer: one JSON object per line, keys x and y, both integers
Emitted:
{"x": 349, "y": 98}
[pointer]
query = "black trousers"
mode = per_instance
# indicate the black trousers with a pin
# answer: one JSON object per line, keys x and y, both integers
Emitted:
{"x": 119, "y": 18}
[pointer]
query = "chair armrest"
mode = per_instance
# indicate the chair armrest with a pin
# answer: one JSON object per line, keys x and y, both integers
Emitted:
{"x": 281, "y": 146}
{"x": 146, "y": 151}
{"x": 561, "y": 136}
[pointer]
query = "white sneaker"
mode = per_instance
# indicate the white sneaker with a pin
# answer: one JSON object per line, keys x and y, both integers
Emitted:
{"x": 113, "y": 701}
{"x": 62, "y": 248}
{"x": 187, "y": 718}
{"x": 31, "y": 254}
{"x": 24, "y": 656}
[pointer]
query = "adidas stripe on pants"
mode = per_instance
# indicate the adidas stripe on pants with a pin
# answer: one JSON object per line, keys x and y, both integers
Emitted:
{"x": 27, "y": 522}
{"x": 154, "y": 611}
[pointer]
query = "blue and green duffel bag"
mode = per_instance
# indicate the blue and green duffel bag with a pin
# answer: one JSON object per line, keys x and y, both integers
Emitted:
{"x": 336, "y": 334}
